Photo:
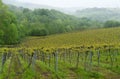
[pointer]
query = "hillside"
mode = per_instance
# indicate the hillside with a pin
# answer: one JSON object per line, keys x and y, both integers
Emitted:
{"x": 51, "y": 21}
{"x": 99, "y": 14}
{"x": 95, "y": 37}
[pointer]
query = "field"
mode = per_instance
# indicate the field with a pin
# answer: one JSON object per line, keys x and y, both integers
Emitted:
{"x": 90, "y": 54}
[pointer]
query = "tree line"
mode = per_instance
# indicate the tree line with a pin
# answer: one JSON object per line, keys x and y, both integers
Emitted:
{"x": 8, "y": 30}
{"x": 41, "y": 22}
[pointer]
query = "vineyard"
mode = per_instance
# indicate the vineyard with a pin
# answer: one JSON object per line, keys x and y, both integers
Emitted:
{"x": 91, "y": 54}
{"x": 97, "y": 37}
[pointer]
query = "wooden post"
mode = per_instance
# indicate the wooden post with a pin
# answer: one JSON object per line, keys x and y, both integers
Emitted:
{"x": 69, "y": 57}
{"x": 77, "y": 63}
{"x": 34, "y": 60}
{"x": 65, "y": 56}
{"x": 56, "y": 61}
{"x": 43, "y": 56}
{"x": 85, "y": 62}
{"x": 111, "y": 59}
{"x": 3, "y": 61}
{"x": 49, "y": 59}
{"x": 91, "y": 55}
{"x": 98, "y": 57}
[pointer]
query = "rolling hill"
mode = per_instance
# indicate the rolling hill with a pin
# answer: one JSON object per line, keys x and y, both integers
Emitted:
{"x": 99, "y": 14}
{"x": 110, "y": 36}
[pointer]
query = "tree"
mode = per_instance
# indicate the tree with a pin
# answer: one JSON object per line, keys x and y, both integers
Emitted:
{"x": 39, "y": 32}
{"x": 8, "y": 29}
{"x": 1, "y": 3}
{"x": 11, "y": 37}
{"x": 111, "y": 23}
{"x": 1, "y": 37}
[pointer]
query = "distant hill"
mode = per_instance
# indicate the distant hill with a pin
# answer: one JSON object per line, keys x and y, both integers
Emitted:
{"x": 26, "y": 4}
{"x": 99, "y": 14}
{"x": 32, "y": 6}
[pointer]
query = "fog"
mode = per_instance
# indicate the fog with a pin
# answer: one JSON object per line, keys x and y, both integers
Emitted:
{"x": 75, "y": 3}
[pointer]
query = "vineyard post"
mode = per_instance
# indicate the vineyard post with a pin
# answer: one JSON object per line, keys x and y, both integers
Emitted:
{"x": 56, "y": 61}
{"x": 61, "y": 55}
{"x": 98, "y": 57}
{"x": 3, "y": 60}
{"x": 106, "y": 54}
{"x": 74, "y": 56}
{"x": 38, "y": 55}
{"x": 116, "y": 55}
{"x": 45, "y": 55}
{"x": 69, "y": 56}
{"x": 27, "y": 57}
{"x": 85, "y": 62}
{"x": 111, "y": 59}
{"x": 8, "y": 55}
{"x": 49, "y": 59}
{"x": 34, "y": 60}
{"x": 42, "y": 56}
{"x": 24, "y": 56}
{"x": 91, "y": 55}
{"x": 65, "y": 56}
{"x": 77, "y": 63}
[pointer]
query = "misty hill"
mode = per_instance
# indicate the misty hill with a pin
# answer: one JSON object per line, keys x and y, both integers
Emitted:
{"x": 26, "y": 4}
{"x": 39, "y": 6}
{"x": 50, "y": 21}
{"x": 99, "y": 14}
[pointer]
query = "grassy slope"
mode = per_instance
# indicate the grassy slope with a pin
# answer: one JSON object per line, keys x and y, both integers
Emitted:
{"x": 90, "y": 37}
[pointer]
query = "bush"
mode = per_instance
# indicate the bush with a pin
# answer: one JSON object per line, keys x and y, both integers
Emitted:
{"x": 111, "y": 23}
{"x": 39, "y": 32}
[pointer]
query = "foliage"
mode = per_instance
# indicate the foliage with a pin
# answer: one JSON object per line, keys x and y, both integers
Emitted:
{"x": 112, "y": 23}
{"x": 39, "y": 32}
{"x": 8, "y": 29}
{"x": 51, "y": 21}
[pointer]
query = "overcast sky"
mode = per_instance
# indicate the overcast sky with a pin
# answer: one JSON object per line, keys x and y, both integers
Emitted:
{"x": 77, "y": 3}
